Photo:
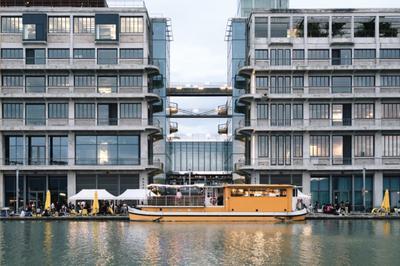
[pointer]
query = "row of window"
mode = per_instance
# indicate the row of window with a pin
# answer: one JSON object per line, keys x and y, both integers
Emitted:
{"x": 80, "y": 24}
{"x": 319, "y": 27}
{"x": 107, "y": 113}
{"x": 89, "y": 150}
{"x": 105, "y": 84}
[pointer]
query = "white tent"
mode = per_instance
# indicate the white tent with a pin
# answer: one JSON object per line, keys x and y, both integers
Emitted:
{"x": 88, "y": 194}
{"x": 136, "y": 194}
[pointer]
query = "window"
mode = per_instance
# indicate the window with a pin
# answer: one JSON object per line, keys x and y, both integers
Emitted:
{"x": 341, "y": 27}
{"x": 58, "y": 150}
{"x": 364, "y": 146}
{"x": 391, "y": 110}
{"x": 364, "y": 111}
{"x": 364, "y": 27}
{"x": 319, "y": 111}
{"x": 58, "y": 110}
{"x": 84, "y": 53}
{"x": 131, "y": 24}
{"x": 298, "y": 83}
{"x": 85, "y": 110}
{"x": 35, "y": 114}
{"x": 261, "y": 27}
{"x": 364, "y": 53}
{"x": 280, "y": 57}
{"x": 13, "y": 110}
{"x": 389, "y": 27}
{"x": 131, "y": 81}
{"x": 341, "y": 84}
{"x": 58, "y": 81}
{"x": 390, "y": 81}
{"x": 107, "y": 56}
{"x": 58, "y": 53}
{"x": 83, "y": 24}
{"x": 262, "y": 111}
{"x": 298, "y": 54}
{"x": 319, "y": 146}
{"x": 131, "y": 53}
{"x": 280, "y": 150}
{"x": 318, "y": 54}
{"x": 36, "y": 150}
{"x": 35, "y": 83}
{"x": 107, "y": 32}
{"x": 11, "y": 24}
{"x": 280, "y": 114}
{"x": 261, "y": 54}
{"x": 390, "y": 53}
{"x": 130, "y": 110}
{"x": 341, "y": 57}
{"x": 391, "y": 145}
{"x": 87, "y": 81}
{"x": 364, "y": 81}
{"x": 281, "y": 84}
{"x": 320, "y": 190}
{"x": 59, "y": 25}
{"x": 107, "y": 150}
{"x": 263, "y": 146}
{"x": 14, "y": 150}
{"x": 12, "y": 53}
{"x": 319, "y": 81}
{"x": 29, "y": 31}
{"x": 261, "y": 82}
{"x": 280, "y": 27}
{"x": 297, "y": 27}
{"x": 107, "y": 114}
{"x": 298, "y": 111}
{"x": 12, "y": 80}
{"x": 35, "y": 56}
{"x": 318, "y": 27}
{"x": 107, "y": 84}
{"x": 298, "y": 146}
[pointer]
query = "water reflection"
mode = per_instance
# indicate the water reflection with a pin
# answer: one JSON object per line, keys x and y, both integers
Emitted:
{"x": 113, "y": 243}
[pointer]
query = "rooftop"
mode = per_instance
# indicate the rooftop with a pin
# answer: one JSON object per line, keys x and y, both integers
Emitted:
{"x": 55, "y": 3}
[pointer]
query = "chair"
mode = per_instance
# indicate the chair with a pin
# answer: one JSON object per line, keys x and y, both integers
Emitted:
{"x": 84, "y": 212}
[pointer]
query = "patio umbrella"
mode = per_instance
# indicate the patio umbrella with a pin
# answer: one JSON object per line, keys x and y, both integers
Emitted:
{"x": 386, "y": 201}
{"x": 48, "y": 200}
{"x": 95, "y": 206}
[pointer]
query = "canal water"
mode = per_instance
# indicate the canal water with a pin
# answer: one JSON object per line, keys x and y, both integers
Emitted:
{"x": 125, "y": 243}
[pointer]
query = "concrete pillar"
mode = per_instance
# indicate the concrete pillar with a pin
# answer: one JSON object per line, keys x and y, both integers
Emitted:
{"x": 253, "y": 83}
{"x": 143, "y": 149}
{"x": 306, "y": 149}
{"x": 254, "y": 151}
{"x": 71, "y": 183}
{"x": 378, "y": 189}
{"x": 2, "y": 149}
{"x": 71, "y": 113}
{"x": 143, "y": 180}
{"x": 2, "y": 194}
{"x": 306, "y": 183}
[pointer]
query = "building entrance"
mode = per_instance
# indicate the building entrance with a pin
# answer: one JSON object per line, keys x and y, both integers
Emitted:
{"x": 37, "y": 198}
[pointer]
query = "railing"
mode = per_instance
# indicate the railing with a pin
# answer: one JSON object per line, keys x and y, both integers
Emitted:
{"x": 174, "y": 201}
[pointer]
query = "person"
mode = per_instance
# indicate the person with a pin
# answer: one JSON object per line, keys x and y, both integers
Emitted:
{"x": 178, "y": 194}
{"x": 346, "y": 207}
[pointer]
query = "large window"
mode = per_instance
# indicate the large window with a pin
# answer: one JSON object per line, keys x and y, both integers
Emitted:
{"x": 107, "y": 150}
{"x": 261, "y": 54}
{"x": 298, "y": 54}
{"x": 280, "y": 114}
{"x": 58, "y": 110}
{"x": 86, "y": 53}
{"x": 281, "y": 84}
{"x": 318, "y": 54}
{"x": 389, "y": 27}
{"x": 298, "y": 82}
{"x": 29, "y": 32}
{"x": 85, "y": 111}
{"x": 391, "y": 145}
{"x": 106, "y": 32}
{"x": 298, "y": 111}
{"x": 85, "y": 81}
{"x": 83, "y": 24}
{"x": 261, "y": 27}
{"x": 320, "y": 190}
{"x": 14, "y": 150}
{"x": 392, "y": 183}
{"x": 364, "y": 111}
{"x": 280, "y": 150}
{"x": 319, "y": 146}
{"x": 35, "y": 56}
{"x": 297, "y": 27}
{"x": 298, "y": 146}
{"x": 318, "y": 81}
{"x": 341, "y": 57}
{"x": 58, "y": 53}
{"x": 318, "y": 27}
{"x": 107, "y": 114}
{"x": 280, "y": 57}
{"x": 59, "y": 150}
{"x": 107, "y": 84}
{"x": 391, "y": 110}
{"x": 11, "y": 24}
{"x": 58, "y": 80}
{"x": 130, "y": 110}
{"x": 319, "y": 111}
{"x": 131, "y": 53}
{"x": 341, "y": 84}
{"x": 13, "y": 110}
{"x": 11, "y": 53}
{"x": 390, "y": 81}
{"x": 263, "y": 146}
{"x": 36, "y": 150}
{"x": 364, "y": 81}
{"x": 364, "y": 27}
{"x": 35, "y": 83}
{"x": 280, "y": 27}
{"x": 262, "y": 111}
{"x": 390, "y": 53}
{"x": 35, "y": 114}
{"x": 131, "y": 24}
{"x": 364, "y": 146}
{"x": 261, "y": 82}
{"x": 130, "y": 81}
{"x": 364, "y": 53}
{"x": 12, "y": 80}
{"x": 341, "y": 27}
{"x": 59, "y": 25}
{"x": 107, "y": 56}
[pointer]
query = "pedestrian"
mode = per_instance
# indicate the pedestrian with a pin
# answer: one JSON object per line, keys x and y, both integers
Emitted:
{"x": 346, "y": 207}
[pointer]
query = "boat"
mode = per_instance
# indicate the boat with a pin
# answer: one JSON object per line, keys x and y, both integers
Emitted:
{"x": 227, "y": 203}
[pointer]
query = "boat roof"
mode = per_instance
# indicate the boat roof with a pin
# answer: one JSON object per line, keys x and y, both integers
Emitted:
{"x": 222, "y": 186}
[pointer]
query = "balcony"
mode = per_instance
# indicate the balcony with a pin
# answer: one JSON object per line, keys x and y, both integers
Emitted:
{"x": 223, "y": 129}
{"x": 173, "y": 127}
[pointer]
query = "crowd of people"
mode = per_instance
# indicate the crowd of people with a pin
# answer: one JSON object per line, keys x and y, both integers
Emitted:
{"x": 342, "y": 208}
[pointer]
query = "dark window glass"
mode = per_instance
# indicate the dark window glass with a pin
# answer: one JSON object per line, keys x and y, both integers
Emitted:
{"x": 263, "y": 146}
{"x": 280, "y": 114}
{"x": 318, "y": 27}
{"x": 389, "y": 27}
{"x": 364, "y": 81}
{"x": 390, "y": 53}
{"x": 262, "y": 111}
{"x": 280, "y": 57}
{"x": 261, "y": 27}
{"x": 35, "y": 56}
{"x": 11, "y": 24}
{"x": 87, "y": 81}
{"x": 107, "y": 56}
{"x": 298, "y": 146}
{"x": 36, "y": 150}
{"x": 341, "y": 84}
{"x": 261, "y": 54}
{"x": 391, "y": 144}
{"x": 341, "y": 57}
{"x": 130, "y": 110}
{"x": 391, "y": 110}
{"x": 319, "y": 111}
{"x": 364, "y": 111}
{"x": 341, "y": 27}
{"x": 298, "y": 82}
{"x": 59, "y": 150}
{"x": 318, "y": 81}
{"x": 58, "y": 110}
{"x": 13, "y": 110}
{"x": 318, "y": 54}
{"x": 107, "y": 84}
{"x": 298, "y": 27}
{"x": 12, "y": 81}
{"x": 364, "y": 27}
{"x": 390, "y": 81}
{"x": 280, "y": 27}
{"x": 88, "y": 53}
{"x": 364, "y": 146}
{"x": 364, "y": 53}
{"x": 11, "y": 53}
{"x": 35, "y": 83}
{"x": 131, "y": 81}
{"x": 298, "y": 111}
{"x": 107, "y": 114}
{"x": 131, "y": 53}
{"x": 281, "y": 84}
{"x": 35, "y": 114}
{"x": 14, "y": 150}
{"x": 280, "y": 150}
{"x": 85, "y": 111}
{"x": 58, "y": 81}
{"x": 262, "y": 82}
{"x": 298, "y": 54}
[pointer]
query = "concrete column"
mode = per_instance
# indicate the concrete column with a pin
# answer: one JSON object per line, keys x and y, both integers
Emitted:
{"x": 254, "y": 151}
{"x": 2, "y": 149}
{"x": 306, "y": 183}
{"x": 378, "y": 189}
{"x": 2, "y": 194}
{"x": 71, "y": 184}
{"x": 71, "y": 113}
{"x": 306, "y": 149}
{"x": 143, "y": 180}
{"x": 71, "y": 149}
{"x": 253, "y": 83}
{"x": 143, "y": 149}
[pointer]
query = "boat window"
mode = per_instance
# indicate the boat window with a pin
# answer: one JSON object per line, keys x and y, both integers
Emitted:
{"x": 267, "y": 192}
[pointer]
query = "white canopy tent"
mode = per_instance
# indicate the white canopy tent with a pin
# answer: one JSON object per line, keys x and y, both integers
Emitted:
{"x": 88, "y": 194}
{"x": 136, "y": 194}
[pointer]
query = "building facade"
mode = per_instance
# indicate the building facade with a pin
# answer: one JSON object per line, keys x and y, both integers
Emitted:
{"x": 245, "y": 7}
{"x": 79, "y": 90}
{"x": 322, "y": 103}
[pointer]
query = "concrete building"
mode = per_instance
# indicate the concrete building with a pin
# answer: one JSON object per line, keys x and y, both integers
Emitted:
{"x": 80, "y": 86}
{"x": 321, "y": 100}
{"x": 245, "y": 7}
